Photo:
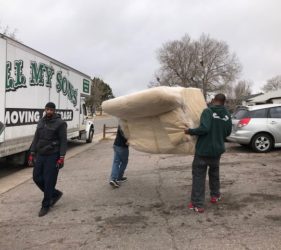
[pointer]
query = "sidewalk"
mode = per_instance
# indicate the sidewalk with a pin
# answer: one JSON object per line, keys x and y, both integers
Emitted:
{"x": 24, "y": 174}
{"x": 150, "y": 210}
{"x": 103, "y": 116}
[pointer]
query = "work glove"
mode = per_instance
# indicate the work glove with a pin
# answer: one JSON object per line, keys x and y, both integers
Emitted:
{"x": 60, "y": 162}
{"x": 31, "y": 159}
{"x": 186, "y": 131}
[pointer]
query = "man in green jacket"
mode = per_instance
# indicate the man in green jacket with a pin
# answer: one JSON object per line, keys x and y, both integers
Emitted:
{"x": 215, "y": 126}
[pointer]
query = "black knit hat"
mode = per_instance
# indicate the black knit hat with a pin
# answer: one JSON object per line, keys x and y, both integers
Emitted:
{"x": 50, "y": 105}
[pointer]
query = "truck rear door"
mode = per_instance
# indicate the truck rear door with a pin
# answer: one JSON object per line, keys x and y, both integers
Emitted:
{"x": 2, "y": 86}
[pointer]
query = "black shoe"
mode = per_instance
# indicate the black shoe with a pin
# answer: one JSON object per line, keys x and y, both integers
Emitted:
{"x": 43, "y": 211}
{"x": 55, "y": 200}
{"x": 123, "y": 179}
{"x": 114, "y": 184}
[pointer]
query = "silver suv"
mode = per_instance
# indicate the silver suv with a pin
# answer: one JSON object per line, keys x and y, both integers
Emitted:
{"x": 257, "y": 126}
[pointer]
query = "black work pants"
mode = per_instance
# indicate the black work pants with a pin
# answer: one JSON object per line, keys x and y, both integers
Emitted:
{"x": 199, "y": 169}
{"x": 45, "y": 174}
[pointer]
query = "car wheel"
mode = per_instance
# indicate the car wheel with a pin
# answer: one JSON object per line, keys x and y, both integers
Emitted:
{"x": 91, "y": 134}
{"x": 262, "y": 143}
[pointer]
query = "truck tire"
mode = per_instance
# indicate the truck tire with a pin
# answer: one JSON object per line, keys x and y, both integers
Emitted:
{"x": 91, "y": 135}
{"x": 262, "y": 143}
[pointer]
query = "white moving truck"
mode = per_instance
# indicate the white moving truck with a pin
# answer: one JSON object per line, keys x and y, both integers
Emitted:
{"x": 28, "y": 80}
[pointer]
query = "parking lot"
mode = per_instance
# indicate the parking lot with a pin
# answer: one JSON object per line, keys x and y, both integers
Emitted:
{"x": 150, "y": 210}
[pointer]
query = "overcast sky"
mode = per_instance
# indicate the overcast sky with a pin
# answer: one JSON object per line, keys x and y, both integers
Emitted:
{"x": 117, "y": 40}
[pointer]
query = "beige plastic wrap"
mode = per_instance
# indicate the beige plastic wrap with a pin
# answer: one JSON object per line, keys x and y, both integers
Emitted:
{"x": 150, "y": 102}
{"x": 154, "y": 120}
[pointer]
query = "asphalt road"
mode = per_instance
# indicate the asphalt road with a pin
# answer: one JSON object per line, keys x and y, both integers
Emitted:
{"x": 150, "y": 210}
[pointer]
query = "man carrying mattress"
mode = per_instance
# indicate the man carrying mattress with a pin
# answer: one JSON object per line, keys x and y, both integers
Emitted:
{"x": 215, "y": 126}
{"x": 120, "y": 160}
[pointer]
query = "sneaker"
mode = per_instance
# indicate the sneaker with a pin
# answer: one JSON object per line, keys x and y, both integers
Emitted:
{"x": 215, "y": 199}
{"x": 195, "y": 209}
{"x": 55, "y": 200}
{"x": 43, "y": 211}
{"x": 123, "y": 179}
{"x": 114, "y": 184}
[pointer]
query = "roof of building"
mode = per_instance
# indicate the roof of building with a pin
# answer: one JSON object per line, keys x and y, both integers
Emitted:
{"x": 267, "y": 96}
{"x": 249, "y": 97}
{"x": 263, "y": 106}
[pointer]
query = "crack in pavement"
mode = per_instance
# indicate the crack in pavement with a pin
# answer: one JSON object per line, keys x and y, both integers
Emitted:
{"x": 165, "y": 213}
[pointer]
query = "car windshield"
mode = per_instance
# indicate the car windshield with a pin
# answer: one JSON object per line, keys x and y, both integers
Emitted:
{"x": 240, "y": 114}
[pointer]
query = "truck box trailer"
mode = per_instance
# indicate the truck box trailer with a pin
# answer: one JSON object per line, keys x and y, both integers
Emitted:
{"x": 28, "y": 80}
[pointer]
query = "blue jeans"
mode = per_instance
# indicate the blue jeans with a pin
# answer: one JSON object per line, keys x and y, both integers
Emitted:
{"x": 199, "y": 170}
{"x": 45, "y": 174}
{"x": 120, "y": 162}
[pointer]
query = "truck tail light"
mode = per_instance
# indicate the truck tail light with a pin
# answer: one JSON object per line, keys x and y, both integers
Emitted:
{"x": 243, "y": 122}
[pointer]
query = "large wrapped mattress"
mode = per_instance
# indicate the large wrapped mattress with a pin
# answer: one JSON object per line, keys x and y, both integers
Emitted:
{"x": 154, "y": 120}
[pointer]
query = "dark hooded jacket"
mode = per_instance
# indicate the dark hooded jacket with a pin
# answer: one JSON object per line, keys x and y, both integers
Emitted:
{"x": 215, "y": 126}
{"x": 50, "y": 136}
{"x": 120, "y": 139}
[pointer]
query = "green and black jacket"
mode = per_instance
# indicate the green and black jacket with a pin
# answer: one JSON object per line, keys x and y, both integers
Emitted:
{"x": 215, "y": 126}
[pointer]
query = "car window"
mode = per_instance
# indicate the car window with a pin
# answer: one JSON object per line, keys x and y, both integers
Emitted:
{"x": 240, "y": 114}
{"x": 275, "y": 112}
{"x": 260, "y": 113}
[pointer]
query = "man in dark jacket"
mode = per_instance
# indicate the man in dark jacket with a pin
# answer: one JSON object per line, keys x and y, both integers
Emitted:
{"x": 49, "y": 145}
{"x": 120, "y": 160}
{"x": 215, "y": 126}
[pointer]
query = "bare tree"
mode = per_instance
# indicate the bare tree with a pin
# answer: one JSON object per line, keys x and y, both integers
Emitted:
{"x": 206, "y": 64}
{"x": 242, "y": 89}
{"x": 176, "y": 59}
{"x": 238, "y": 92}
{"x": 272, "y": 84}
{"x": 5, "y": 30}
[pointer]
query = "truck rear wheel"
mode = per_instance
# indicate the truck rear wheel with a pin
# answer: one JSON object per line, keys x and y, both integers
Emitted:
{"x": 91, "y": 135}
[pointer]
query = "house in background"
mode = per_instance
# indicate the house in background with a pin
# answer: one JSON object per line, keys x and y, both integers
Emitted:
{"x": 269, "y": 97}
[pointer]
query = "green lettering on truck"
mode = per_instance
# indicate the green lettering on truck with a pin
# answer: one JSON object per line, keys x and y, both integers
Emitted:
{"x": 19, "y": 81}
{"x": 37, "y": 74}
{"x": 50, "y": 72}
{"x": 67, "y": 88}
{"x": 10, "y": 82}
{"x": 20, "y": 78}
{"x": 86, "y": 86}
